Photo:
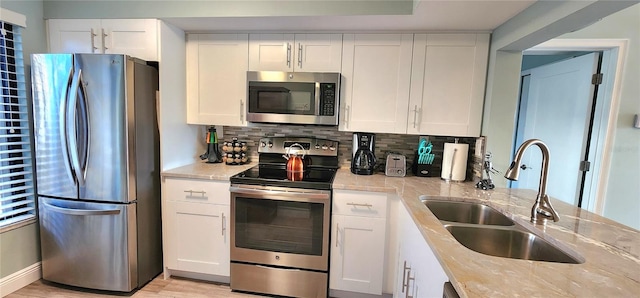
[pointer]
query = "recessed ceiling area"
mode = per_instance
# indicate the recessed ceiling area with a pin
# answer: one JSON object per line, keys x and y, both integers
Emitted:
{"x": 428, "y": 15}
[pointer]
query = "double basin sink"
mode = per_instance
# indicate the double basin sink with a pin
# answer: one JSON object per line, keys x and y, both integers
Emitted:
{"x": 486, "y": 230}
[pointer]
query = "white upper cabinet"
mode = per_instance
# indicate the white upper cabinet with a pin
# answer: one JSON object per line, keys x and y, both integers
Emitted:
{"x": 134, "y": 37}
{"x": 295, "y": 52}
{"x": 217, "y": 79}
{"x": 447, "y": 84}
{"x": 376, "y": 77}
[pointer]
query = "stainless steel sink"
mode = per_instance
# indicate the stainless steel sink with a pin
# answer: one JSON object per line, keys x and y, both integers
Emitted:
{"x": 510, "y": 243}
{"x": 467, "y": 212}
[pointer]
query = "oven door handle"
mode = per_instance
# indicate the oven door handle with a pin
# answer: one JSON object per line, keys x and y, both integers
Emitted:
{"x": 294, "y": 195}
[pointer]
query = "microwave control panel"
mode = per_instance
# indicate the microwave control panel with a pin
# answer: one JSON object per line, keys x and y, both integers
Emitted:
{"x": 327, "y": 99}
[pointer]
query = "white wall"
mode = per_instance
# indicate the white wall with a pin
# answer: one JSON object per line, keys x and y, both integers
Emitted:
{"x": 622, "y": 202}
{"x": 623, "y": 192}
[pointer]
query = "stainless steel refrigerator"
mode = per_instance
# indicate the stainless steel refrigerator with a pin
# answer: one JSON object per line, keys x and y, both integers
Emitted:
{"x": 97, "y": 168}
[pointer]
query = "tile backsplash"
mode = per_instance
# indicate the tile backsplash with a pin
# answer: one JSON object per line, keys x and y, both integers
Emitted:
{"x": 385, "y": 143}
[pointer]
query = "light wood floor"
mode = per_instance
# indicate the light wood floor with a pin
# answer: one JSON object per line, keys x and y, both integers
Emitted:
{"x": 158, "y": 288}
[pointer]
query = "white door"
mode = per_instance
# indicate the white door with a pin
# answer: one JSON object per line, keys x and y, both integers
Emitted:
{"x": 557, "y": 110}
{"x": 271, "y": 51}
{"x": 217, "y": 79}
{"x": 357, "y": 254}
{"x": 447, "y": 84}
{"x": 137, "y": 38}
{"x": 74, "y": 36}
{"x": 318, "y": 52}
{"x": 199, "y": 237}
{"x": 376, "y": 72}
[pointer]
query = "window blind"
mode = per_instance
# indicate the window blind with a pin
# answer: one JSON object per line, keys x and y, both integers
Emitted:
{"x": 16, "y": 171}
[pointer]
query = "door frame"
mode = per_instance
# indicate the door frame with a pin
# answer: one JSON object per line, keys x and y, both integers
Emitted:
{"x": 614, "y": 58}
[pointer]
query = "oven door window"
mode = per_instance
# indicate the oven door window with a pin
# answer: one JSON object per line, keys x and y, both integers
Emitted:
{"x": 279, "y": 226}
{"x": 282, "y": 98}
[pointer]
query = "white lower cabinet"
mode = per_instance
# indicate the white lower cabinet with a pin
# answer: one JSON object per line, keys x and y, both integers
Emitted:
{"x": 358, "y": 238}
{"x": 196, "y": 226}
{"x": 418, "y": 272}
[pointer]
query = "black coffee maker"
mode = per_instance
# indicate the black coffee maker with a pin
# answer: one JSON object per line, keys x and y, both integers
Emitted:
{"x": 363, "y": 161}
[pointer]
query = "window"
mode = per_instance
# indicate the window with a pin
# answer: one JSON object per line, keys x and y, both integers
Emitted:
{"x": 16, "y": 172}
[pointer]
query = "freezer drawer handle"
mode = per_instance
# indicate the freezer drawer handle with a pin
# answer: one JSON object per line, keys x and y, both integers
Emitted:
{"x": 82, "y": 212}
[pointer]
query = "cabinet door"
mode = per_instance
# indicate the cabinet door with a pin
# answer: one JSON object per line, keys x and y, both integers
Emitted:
{"x": 423, "y": 275}
{"x": 447, "y": 84}
{"x": 197, "y": 237}
{"x": 217, "y": 79}
{"x": 74, "y": 36}
{"x": 376, "y": 71}
{"x": 137, "y": 38}
{"x": 271, "y": 52}
{"x": 318, "y": 52}
{"x": 357, "y": 254}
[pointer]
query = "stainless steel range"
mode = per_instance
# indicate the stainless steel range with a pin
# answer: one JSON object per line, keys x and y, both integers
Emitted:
{"x": 280, "y": 219}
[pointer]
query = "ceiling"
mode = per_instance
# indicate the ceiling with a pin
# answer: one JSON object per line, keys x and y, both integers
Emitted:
{"x": 428, "y": 15}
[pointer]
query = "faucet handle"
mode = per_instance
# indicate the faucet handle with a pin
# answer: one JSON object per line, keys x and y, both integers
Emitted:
{"x": 525, "y": 167}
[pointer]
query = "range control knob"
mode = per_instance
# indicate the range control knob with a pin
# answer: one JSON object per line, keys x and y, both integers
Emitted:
{"x": 317, "y": 146}
{"x": 263, "y": 144}
{"x": 324, "y": 147}
{"x": 332, "y": 148}
{"x": 270, "y": 144}
{"x": 400, "y": 172}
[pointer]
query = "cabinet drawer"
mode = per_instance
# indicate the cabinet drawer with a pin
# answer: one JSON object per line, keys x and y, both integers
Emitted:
{"x": 359, "y": 203}
{"x": 194, "y": 190}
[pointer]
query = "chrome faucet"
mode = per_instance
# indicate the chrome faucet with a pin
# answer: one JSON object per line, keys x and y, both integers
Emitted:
{"x": 542, "y": 209}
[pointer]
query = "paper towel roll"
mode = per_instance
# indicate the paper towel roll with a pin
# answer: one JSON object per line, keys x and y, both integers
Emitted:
{"x": 454, "y": 161}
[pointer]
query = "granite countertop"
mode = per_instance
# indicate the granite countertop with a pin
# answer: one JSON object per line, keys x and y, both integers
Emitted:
{"x": 209, "y": 171}
{"x": 611, "y": 250}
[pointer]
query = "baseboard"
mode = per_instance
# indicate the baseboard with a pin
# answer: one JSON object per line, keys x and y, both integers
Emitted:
{"x": 20, "y": 279}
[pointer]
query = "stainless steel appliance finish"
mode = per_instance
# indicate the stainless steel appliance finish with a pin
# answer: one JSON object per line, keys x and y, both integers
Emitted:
{"x": 315, "y": 258}
{"x": 280, "y": 226}
{"x": 293, "y": 97}
{"x": 396, "y": 165}
{"x": 279, "y": 281}
{"x": 97, "y": 148}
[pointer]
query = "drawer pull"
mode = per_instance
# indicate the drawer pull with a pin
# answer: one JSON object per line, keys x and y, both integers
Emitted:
{"x": 405, "y": 283}
{"x": 191, "y": 192}
{"x": 224, "y": 224}
{"x": 409, "y": 279}
{"x": 361, "y": 205}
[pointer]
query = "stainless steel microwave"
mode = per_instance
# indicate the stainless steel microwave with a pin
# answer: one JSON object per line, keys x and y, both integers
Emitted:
{"x": 293, "y": 97}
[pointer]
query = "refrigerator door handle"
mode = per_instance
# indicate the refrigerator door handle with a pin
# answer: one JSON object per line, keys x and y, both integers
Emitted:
{"x": 64, "y": 138}
{"x": 81, "y": 212}
{"x": 72, "y": 127}
{"x": 85, "y": 133}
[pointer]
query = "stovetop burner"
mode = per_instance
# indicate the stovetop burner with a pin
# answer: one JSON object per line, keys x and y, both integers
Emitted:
{"x": 321, "y": 154}
{"x": 269, "y": 175}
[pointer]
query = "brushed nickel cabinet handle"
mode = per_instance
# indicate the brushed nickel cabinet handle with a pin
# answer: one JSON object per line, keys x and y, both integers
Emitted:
{"x": 288, "y": 54}
{"x": 300, "y": 55}
{"x": 224, "y": 224}
{"x": 359, "y": 204}
{"x": 93, "y": 41}
{"x": 104, "y": 46}
{"x": 405, "y": 284}
{"x": 191, "y": 192}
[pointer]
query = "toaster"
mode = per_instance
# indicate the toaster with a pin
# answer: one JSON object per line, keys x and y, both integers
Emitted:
{"x": 396, "y": 165}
